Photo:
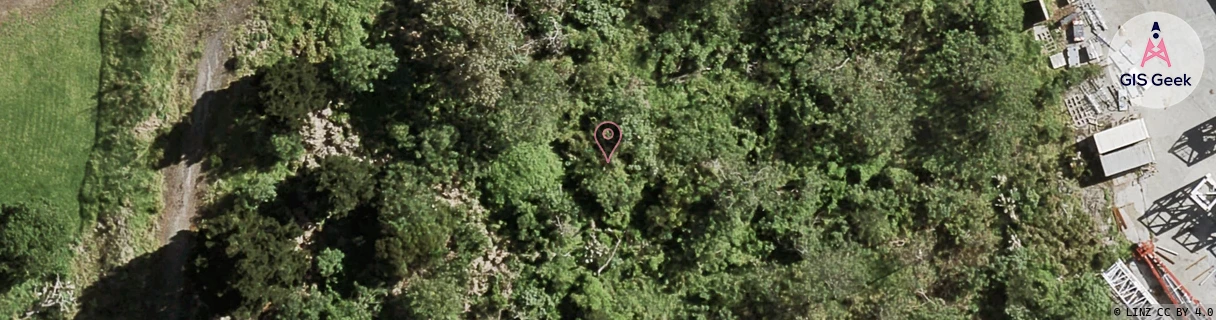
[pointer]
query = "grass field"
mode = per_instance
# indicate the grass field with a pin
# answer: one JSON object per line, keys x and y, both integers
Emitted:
{"x": 48, "y": 82}
{"x": 49, "y": 64}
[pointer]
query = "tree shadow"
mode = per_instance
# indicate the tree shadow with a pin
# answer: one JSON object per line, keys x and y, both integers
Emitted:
{"x": 1032, "y": 13}
{"x": 214, "y": 294}
{"x": 1090, "y": 173}
{"x": 1197, "y": 143}
{"x": 1176, "y": 211}
{"x": 170, "y": 145}
{"x": 355, "y": 235}
{"x": 226, "y": 132}
{"x": 143, "y": 288}
{"x": 213, "y": 268}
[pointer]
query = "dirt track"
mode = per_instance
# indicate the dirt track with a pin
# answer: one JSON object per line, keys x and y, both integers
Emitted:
{"x": 183, "y": 180}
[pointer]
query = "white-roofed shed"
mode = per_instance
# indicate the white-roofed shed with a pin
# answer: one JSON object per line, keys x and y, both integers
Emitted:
{"x": 1121, "y": 136}
{"x": 1128, "y": 158}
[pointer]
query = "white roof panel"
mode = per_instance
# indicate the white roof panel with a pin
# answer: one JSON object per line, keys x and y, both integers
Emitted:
{"x": 1127, "y": 158}
{"x": 1126, "y": 134}
{"x": 1074, "y": 59}
{"x": 1057, "y": 60}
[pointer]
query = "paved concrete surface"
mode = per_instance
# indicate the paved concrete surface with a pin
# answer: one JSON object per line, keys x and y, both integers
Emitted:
{"x": 1183, "y": 140}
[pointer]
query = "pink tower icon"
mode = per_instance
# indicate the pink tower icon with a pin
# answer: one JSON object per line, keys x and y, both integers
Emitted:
{"x": 1156, "y": 51}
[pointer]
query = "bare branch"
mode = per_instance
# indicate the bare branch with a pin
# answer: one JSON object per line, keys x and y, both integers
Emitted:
{"x": 610, "y": 256}
{"x": 841, "y": 65}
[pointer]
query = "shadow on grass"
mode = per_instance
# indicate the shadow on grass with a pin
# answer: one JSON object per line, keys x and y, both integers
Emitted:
{"x": 141, "y": 289}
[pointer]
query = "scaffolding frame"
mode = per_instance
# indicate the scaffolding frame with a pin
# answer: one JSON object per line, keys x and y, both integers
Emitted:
{"x": 1204, "y": 193}
{"x": 1128, "y": 290}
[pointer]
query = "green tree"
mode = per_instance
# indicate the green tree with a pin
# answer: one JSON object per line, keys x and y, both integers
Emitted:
{"x": 526, "y": 172}
{"x": 470, "y": 44}
{"x": 764, "y": 140}
{"x": 329, "y": 263}
{"x": 35, "y": 241}
{"x": 291, "y": 90}
{"x": 437, "y": 298}
{"x": 251, "y": 259}
{"x": 322, "y": 31}
{"x": 346, "y": 182}
{"x": 416, "y": 227}
{"x": 322, "y": 304}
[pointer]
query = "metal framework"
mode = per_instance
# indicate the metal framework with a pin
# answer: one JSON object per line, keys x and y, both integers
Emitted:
{"x": 1204, "y": 193}
{"x": 1177, "y": 293}
{"x": 1129, "y": 291}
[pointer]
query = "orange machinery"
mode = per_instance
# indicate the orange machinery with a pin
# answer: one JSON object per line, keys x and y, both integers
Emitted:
{"x": 1146, "y": 252}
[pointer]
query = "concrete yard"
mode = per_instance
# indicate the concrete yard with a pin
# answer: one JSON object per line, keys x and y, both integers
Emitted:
{"x": 1157, "y": 205}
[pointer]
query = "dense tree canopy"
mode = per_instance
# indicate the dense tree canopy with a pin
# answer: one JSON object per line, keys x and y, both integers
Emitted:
{"x": 780, "y": 160}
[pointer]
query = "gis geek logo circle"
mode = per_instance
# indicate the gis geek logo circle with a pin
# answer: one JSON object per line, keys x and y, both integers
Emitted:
{"x": 1167, "y": 69}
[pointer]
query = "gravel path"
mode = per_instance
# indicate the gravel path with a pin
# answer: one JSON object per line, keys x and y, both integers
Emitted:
{"x": 183, "y": 179}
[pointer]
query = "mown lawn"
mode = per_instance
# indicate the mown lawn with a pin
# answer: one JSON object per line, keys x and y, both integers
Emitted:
{"x": 49, "y": 64}
{"x": 48, "y": 82}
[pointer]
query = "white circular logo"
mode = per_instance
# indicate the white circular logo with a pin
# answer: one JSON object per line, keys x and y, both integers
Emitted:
{"x": 1159, "y": 59}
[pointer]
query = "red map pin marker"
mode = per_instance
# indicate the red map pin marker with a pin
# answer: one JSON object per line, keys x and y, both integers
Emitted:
{"x": 608, "y": 136}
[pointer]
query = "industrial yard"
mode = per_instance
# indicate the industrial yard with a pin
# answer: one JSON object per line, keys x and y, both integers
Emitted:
{"x": 1155, "y": 163}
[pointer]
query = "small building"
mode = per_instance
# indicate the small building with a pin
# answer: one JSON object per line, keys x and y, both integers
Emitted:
{"x": 1068, "y": 19}
{"x": 1077, "y": 30}
{"x": 1132, "y": 157}
{"x": 1057, "y": 60}
{"x": 1124, "y": 147}
{"x": 1121, "y": 136}
{"x": 1073, "y": 53}
{"x": 1090, "y": 53}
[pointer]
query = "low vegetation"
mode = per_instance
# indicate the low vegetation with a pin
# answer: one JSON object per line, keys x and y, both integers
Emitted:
{"x": 73, "y": 213}
{"x": 48, "y": 85}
